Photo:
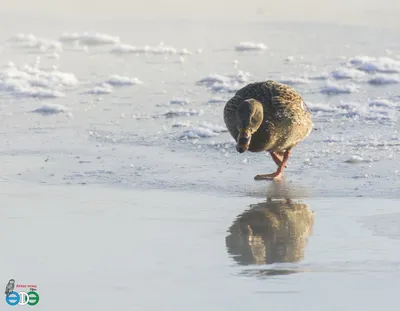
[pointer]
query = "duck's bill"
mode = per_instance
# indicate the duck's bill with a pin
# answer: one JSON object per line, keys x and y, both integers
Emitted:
{"x": 243, "y": 141}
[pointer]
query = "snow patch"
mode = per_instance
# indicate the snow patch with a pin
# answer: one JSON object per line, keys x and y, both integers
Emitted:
{"x": 332, "y": 88}
{"x": 294, "y": 81}
{"x": 321, "y": 108}
{"x": 289, "y": 59}
{"x": 347, "y": 73}
{"x": 179, "y": 101}
{"x": 181, "y": 124}
{"x": 29, "y": 41}
{"x": 355, "y": 159}
{"x": 250, "y": 46}
{"x": 382, "y": 103}
{"x": 375, "y": 64}
{"x": 101, "y": 89}
{"x": 161, "y": 49}
{"x": 384, "y": 80}
{"x": 90, "y": 39}
{"x": 203, "y": 130}
{"x": 182, "y": 113}
{"x": 321, "y": 76}
{"x": 51, "y": 109}
{"x": 225, "y": 83}
{"x": 29, "y": 81}
{"x": 116, "y": 80}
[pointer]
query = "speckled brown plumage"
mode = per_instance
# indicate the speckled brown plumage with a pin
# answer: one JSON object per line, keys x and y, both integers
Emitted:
{"x": 268, "y": 116}
{"x": 286, "y": 122}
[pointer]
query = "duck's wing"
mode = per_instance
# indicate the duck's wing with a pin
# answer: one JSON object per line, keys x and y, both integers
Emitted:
{"x": 284, "y": 102}
{"x": 275, "y": 97}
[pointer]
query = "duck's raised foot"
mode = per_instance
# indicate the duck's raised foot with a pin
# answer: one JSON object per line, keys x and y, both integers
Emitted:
{"x": 273, "y": 176}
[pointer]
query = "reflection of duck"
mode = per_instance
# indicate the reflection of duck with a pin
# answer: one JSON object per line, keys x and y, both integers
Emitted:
{"x": 271, "y": 231}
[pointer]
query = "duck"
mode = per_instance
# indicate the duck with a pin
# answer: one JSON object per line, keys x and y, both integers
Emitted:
{"x": 268, "y": 116}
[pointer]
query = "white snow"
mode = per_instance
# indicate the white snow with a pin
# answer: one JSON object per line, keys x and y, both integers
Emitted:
{"x": 225, "y": 83}
{"x": 385, "y": 103}
{"x": 179, "y": 101}
{"x": 294, "y": 80}
{"x": 321, "y": 76}
{"x": 375, "y": 64}
{"x": 50, "y": 109}
{"x": 161, "y": 49}
{"x": 384, "y": 79}
{"x": 117, "y": 80}
{"x": 29, "y": 41}
{"x": 250, "y": 46}
{"x": 179, "y": 123}
{"x": 355, "y": 159}
{"x": 29, "y": 81}
{"x": 101, "y": 89}
{"x": 289, "y": 59}
{"x": 182, "y": 113}
{"x": 347, "y": 73}
{"x": 217, "y": 100}
{"x": 90, "y": 39}
{"x": 106, "y": 87}
{"x": 203, "y": 130}
{"x": 332, "y": 88}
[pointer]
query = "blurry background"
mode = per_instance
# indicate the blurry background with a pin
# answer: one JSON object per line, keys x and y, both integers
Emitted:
{"x": 383, "y": 13}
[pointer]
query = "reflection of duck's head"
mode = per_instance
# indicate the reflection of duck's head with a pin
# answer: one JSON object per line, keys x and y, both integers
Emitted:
{"x": 271, "y": 231}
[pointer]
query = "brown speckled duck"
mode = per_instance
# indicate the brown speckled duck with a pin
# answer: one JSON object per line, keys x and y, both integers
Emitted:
{"x": 268, "y": 116}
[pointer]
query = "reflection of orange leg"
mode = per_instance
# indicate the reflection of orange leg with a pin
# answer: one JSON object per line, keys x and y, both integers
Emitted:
{"x": 277, "y": 157}
{"x": 279, "y": 172}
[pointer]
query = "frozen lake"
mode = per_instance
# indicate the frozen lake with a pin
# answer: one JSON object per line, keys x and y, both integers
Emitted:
{"x": 136, "y": 250}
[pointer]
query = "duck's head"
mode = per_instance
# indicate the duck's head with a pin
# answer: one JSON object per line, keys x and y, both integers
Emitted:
{"x": 250, "y": 115}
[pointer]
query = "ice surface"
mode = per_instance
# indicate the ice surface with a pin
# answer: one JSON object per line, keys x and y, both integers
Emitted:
{"x": 160, "y": 187}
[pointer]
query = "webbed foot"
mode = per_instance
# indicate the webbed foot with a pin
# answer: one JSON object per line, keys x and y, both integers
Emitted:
{"x": 273, "y": 176}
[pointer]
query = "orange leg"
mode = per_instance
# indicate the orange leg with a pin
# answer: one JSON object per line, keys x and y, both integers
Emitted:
{"x": 279, "y": 172}
{"x": 277, "y": 157}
